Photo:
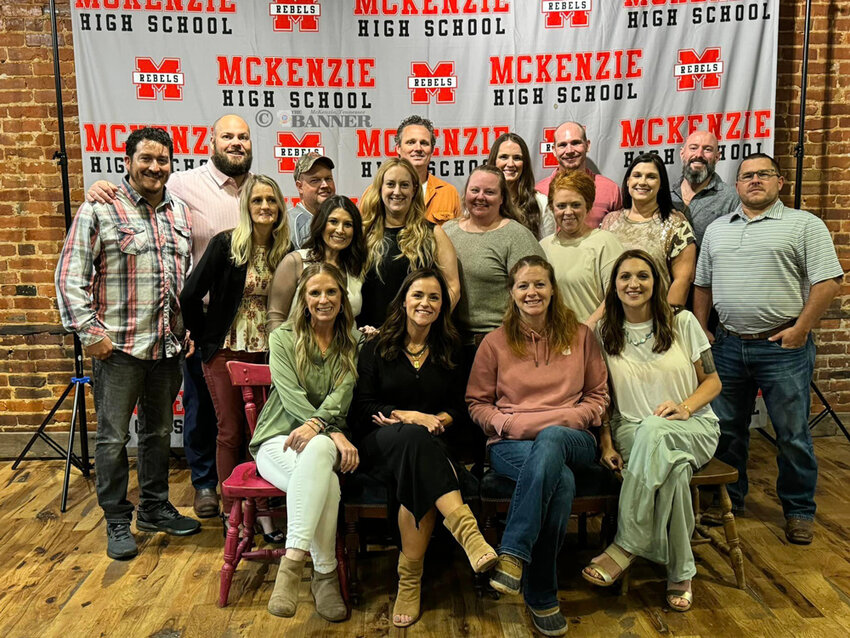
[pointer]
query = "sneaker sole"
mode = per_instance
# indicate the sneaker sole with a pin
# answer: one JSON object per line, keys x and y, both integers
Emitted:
{"x": 151, "y": 527}
{"x": 125, "y": 556}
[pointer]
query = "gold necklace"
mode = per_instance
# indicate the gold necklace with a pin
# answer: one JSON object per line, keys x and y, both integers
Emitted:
{"x": 417, "y": 356}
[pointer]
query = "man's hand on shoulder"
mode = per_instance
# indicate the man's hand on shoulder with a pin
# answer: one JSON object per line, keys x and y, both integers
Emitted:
{"x": 101, "y": 192}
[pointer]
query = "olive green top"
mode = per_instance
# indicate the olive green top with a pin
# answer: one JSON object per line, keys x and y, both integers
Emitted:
{"x": 292, "y": 402}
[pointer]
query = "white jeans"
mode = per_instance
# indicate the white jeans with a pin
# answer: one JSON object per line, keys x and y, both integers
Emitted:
{"x": 312, "y": 494}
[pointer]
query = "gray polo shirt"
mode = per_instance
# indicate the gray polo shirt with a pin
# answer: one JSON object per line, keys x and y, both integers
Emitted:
{"x": 713, "y": 201}
{"x": 299, "y": 224}
{"x": 760, "y": 270}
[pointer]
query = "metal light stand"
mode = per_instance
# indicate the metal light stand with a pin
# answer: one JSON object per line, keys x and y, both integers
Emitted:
{"x": 79, "y": 380}
{"x": 798, "y": 196}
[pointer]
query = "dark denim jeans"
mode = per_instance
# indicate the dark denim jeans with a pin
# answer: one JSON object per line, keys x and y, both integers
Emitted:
{"x": 199, "y": 425}
{"x": 784, "y": 376}
{"x": 119, "y": 383}
{"x": 541, "y": 504}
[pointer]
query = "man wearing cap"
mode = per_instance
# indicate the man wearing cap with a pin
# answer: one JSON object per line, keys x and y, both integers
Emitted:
{"x": 315, "y": 183}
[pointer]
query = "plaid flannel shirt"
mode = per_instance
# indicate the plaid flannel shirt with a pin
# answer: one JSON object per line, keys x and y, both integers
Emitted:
{"x": 121, "y": 270}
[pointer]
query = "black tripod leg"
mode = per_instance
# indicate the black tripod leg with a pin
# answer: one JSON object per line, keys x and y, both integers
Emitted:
{"x": 84, "y": 436}
{"x": 40, "y": 431}
{"x": 827, "y": 410}
{"x": 68, "y": 459}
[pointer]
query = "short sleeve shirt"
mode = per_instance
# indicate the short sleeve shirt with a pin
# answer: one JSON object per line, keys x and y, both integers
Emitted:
{"x": 760, "y": 270}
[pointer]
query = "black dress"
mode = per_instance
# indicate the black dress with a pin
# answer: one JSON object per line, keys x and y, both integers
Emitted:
{"x": 416, "y": 465}
{"x": 379, "y": 291}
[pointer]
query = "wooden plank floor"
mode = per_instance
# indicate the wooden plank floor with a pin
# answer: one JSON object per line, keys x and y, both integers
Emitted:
{"x": 56, "y": 580}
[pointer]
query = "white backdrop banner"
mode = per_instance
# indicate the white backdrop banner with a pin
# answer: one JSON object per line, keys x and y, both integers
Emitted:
{"x": 337, "y": 76}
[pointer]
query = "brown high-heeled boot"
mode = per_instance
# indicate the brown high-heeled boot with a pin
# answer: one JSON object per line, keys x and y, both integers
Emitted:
{"x": 409, "y": 588}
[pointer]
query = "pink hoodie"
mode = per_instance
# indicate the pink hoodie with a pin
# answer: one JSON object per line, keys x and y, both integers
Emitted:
{"x": 514, "y": 397}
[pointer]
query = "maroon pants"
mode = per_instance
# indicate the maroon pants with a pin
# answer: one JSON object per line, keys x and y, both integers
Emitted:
{"x": 231, "y": 444}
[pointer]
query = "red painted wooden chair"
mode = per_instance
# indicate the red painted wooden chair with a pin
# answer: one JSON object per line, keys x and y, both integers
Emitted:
{"x": 245, "y": 486}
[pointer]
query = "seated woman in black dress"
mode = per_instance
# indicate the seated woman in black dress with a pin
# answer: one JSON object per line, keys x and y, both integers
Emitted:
{"x": 408, "y": 417}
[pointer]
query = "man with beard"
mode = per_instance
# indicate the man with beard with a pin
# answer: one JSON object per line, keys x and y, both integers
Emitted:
{"x": 770, "y": 271}
{"x": 570, "y": 148}
{"x": 315, "y": 183}
{"x": 701, "y": 195}
{"x": 212, "y": 193}
{"x": 117, "y": 280}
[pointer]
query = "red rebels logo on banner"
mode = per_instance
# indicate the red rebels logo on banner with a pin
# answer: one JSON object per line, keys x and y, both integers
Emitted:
{"x": 559, "y": 13}
{"x": 693, "y": 68}
{"x": 425, "y": 83}
{"x": 290, "y": 148}
{"x": 287, "y": 13}
{"x": 164, "y": 78}
{"x": 547, "y": 146}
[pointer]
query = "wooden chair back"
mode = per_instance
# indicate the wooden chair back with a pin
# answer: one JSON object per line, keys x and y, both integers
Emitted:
{"x": 254, "y": 379}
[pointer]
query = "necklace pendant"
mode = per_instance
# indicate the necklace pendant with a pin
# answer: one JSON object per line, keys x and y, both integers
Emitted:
{"x": 416, "y": 364}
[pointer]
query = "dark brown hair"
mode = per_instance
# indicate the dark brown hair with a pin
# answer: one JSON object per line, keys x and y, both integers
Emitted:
{"x": 611, "y": 325}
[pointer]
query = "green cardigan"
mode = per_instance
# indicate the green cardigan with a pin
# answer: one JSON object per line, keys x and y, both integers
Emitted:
{"x": 290, "y": 402}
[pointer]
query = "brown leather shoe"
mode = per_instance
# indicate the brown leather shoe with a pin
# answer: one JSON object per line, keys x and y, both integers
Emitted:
{"x": 799, "y": 531}
{"x": 206, "y": 502}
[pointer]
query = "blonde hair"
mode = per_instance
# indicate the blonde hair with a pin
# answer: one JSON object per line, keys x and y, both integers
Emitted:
{"x": 342, "y": 350}
{"x": 415, "y": 241}
{"x": 241, "y": 239}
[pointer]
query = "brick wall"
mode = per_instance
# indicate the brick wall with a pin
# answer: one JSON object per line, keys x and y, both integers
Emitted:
{"x": 37, "y": 356}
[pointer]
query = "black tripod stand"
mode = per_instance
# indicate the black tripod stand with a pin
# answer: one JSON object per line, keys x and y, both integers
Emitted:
{"x": 79, "y": 380}
{"x": 798, "y": 197}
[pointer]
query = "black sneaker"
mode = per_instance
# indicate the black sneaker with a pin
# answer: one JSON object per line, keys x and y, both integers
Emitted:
{"x": 165, "y": 518}
{"x": 120, "y": 544}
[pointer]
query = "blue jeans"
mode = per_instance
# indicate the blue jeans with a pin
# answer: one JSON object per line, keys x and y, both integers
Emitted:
{"x": 541, "y": 504}
{"x": 199, "y": 425}
{"x": 120, "y": 382}
{"x": 784, "y": 376}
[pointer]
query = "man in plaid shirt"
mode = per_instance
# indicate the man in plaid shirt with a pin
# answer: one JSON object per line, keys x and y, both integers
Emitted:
{"x": 117, "y": 282}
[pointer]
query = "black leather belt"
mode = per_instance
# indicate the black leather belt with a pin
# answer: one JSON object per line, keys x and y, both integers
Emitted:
{"x": 762, "y": 335}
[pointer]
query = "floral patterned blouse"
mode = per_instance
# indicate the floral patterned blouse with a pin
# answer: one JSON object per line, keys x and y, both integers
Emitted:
{"x": 663, "y": 240}
{"x": 248, "y": 331}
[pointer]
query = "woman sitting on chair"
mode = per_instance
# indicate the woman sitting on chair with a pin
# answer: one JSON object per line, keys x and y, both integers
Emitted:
{"x": 538, "y": 383}
{"x": 662, "y": 379}
{"x": 411, "y": 421}
{"x": 301, "y": 434}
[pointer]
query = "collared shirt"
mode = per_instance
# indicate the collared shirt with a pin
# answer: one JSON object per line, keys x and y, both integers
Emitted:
{"x": 441, "y": 200}
{"x": 299, "y": 224}
{"x": 608, "y": 196}
{"x": 120, "y": 271}
{"x": 213, "y": 198}
{"x": 760, "y": 270}
{"x": 715, "y": 200}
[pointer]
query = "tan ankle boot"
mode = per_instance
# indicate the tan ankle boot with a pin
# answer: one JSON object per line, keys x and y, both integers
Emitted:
{"x": 329, "y": 602}
{"x": 285, "y": 595}
{"x": 409, "y": 587}
{"x": 463, "y": 526}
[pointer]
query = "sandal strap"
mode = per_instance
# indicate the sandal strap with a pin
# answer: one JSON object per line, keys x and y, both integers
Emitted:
{"x": 618, "y": 556}
{"x": 681, "y": 593}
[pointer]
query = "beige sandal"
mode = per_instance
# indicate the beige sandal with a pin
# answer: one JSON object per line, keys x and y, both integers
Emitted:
{"x": 622, "y": 560}
{"x": 409, "y": 588}
{"x": 676, "y": 591}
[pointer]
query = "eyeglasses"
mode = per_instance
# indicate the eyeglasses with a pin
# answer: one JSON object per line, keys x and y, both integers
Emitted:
{"x": 763, "y": 175}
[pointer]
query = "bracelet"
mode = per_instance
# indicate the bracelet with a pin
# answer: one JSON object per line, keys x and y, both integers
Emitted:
{"x": 685, "y": 405}
{"x": 313, "y": 426}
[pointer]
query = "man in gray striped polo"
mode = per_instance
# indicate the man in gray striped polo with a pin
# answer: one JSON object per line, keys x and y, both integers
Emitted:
{"x": 771, "y": 272}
